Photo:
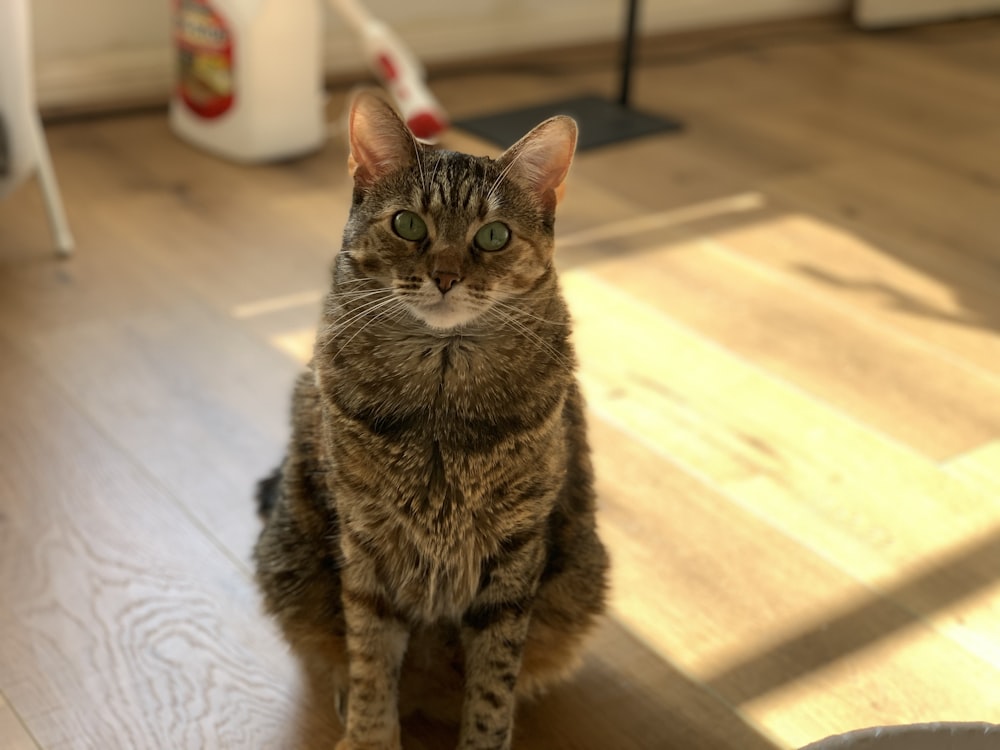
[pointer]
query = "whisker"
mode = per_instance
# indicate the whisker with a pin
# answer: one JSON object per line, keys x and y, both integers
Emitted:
{"x": 507, "y": 319}
{"x": 351, "y": 297}
{"x": 365, "y": 310}
{"x": 420, "y": 162}
{"x": 361, "y": 307}
{"x": 374, "y": 319}
{"x": 503, "y": 175}
{"x": 349, "y": 285}
{"x": 436, "y": 165}
{"x": 337, "y": 339}
{"x": 362, "y": 310}
{"x": 519, "y": 311}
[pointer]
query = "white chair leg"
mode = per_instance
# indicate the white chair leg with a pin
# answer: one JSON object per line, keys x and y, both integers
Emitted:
{"x": 50, "y": 192}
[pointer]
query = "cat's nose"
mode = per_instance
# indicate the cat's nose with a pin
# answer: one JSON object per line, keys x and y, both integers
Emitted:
{"x": 445, "y": 280}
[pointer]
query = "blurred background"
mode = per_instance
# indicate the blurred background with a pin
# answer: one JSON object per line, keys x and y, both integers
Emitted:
{"x": 787, "y": 314}
{"x": 117, "y": 51}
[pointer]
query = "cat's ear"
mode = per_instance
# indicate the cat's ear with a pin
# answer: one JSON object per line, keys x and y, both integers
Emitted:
{"x": 380, "y": 141}
{"x": 540, "y": 160}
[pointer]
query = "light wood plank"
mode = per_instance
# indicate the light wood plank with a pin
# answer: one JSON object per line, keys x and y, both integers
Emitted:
{"x": 13, "y": 735}
{"x": 842, "y": 268}
{"x": 969, "y": 48}
{"x": 222, "y": 216}
{"x": 158, "y": 305}
{"x": 896, "y": 383}
{"x": 124, "y": 624}
{"x": 680, "y": 176}
{"x": 972, "y": 618}
{"x": 629, "y": 695}
{"x": 801, "y": 712}
{"x": 708, "y": 409}
{"x": 819, "y": 477}
{"x": 175, "y": 390}
{"x": 662, "y": 580}
{"x": 980, "y": 469}
{"x": 677, "y": 543}
{"x": 800, "y": 637}
{"x": 896, "y": 202}
{"x": 877, "y": 85}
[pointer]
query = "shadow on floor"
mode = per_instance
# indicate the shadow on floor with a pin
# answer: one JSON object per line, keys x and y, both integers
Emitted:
{"x": 624, "y": 697}
{"x": 911, "y": 602}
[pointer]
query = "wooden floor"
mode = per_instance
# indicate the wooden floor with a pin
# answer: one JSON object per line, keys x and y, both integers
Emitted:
{"x": 789, "y": 324}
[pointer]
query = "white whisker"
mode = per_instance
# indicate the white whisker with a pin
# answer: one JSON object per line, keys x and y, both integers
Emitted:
{"x": 507, "y": 319}
{"x": 521, "y": 312}
{"x": 375, "y": 318}
{"x": 420, "y": 162}
{"x": 503, "y": 175}
{"x": 353, "y": 300}
{"x": 363, "y": 310}
{"x": 369, "y": 308}
{"x": 436, "y": 165}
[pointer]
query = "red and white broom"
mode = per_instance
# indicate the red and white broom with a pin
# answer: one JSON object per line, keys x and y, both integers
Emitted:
{"x": 397, "y": 69}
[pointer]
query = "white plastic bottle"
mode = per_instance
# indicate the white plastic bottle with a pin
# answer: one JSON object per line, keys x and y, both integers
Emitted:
{"x": 249, "y": 77}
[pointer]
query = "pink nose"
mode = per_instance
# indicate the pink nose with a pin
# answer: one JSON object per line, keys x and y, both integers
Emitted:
{"x": 445, "y": 281}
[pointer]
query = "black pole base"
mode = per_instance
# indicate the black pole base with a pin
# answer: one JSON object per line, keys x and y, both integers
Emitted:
{"x": 601, "y": 122}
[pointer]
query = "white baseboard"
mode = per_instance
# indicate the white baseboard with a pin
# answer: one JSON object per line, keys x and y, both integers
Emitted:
{"x": 146, "y": 75}
{"x": 121, "y": 76}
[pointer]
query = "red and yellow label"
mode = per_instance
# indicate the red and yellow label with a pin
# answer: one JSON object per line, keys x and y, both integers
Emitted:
{"x": 204, "y": 58}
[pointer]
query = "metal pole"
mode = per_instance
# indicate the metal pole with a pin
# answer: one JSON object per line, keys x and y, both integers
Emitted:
{"x": 628, "y": 52}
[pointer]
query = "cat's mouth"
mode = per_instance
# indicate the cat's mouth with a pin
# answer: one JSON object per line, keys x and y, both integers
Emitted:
{"x": 446, "y": 312}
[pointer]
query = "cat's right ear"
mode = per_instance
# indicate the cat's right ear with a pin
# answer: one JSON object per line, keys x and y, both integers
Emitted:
{"x": 541, "y": 159}
{"x": 380, "y": 141}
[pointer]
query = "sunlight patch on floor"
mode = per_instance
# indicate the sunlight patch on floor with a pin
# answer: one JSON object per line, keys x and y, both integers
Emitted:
{"x": 979, "y": 469}
{"x": 276, "y": 304}
{"x": 897, "y": 677}
{"x": 296, "y": 344}
{"x": 735, "y": 204}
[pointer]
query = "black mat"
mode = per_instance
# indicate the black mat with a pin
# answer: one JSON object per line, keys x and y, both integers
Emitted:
{"x": 601, "y": 122}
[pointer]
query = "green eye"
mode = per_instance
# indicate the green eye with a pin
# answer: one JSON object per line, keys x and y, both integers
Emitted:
{"x": 409, "y": 226}
{"x": 492, "y": 237}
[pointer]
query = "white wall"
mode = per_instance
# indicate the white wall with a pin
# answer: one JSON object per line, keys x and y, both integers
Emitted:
{"x": 115, "y": 51}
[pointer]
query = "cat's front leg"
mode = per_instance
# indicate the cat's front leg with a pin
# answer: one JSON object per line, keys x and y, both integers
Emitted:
{"x": 493, "y": 636}
{"x": 376, "y": 643}
{"x": 494, "y": 631}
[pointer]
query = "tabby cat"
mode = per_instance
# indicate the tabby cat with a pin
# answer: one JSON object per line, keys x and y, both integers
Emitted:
{"x": 436, "y": 499}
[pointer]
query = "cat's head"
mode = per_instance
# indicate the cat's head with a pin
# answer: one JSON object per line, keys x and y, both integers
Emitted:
{"x": 452, "y": 236}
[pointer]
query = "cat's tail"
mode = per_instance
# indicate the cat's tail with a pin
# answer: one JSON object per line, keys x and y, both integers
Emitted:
{"x": 268, "y": 491}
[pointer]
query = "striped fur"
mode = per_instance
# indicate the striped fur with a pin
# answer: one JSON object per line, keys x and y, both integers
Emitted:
{"x": 435, "y": 509}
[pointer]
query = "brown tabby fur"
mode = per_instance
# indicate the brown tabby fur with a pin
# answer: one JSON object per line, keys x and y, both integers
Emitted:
{"x": 436, "y": 499}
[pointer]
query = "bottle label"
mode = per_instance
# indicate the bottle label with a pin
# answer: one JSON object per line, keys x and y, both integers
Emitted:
{"x": 204, "y": 58}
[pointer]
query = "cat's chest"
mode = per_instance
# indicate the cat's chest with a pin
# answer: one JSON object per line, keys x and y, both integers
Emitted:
{"x": 433, "y": 585}
{"x": 427, "y": 454}
{"x": 439, "y": 520}
{"x": 451, "y": 392}
{"x": 434, "y": 370}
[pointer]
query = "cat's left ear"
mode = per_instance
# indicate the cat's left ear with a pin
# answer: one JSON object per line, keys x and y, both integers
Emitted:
{"x": 380, "y": 141}
{"x": 541, "y": 159}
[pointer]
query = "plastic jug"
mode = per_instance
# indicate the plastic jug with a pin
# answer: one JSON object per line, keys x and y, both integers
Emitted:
{"x": 249, "y": 77}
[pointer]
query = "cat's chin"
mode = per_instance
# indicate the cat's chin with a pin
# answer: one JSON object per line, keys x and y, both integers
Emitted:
{"x": 445, "y": 316}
